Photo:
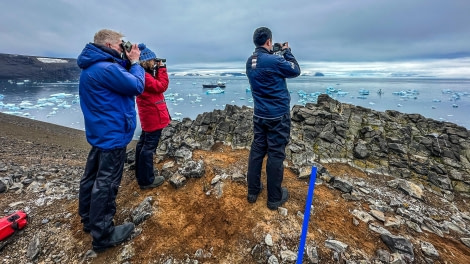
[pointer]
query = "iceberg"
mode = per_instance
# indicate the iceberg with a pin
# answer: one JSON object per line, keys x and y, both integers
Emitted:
{"x": 363, "y": 92}
{"x": 217, "y": 90}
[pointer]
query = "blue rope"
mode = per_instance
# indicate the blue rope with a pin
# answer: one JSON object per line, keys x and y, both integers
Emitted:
{"x": 308, "y": 204}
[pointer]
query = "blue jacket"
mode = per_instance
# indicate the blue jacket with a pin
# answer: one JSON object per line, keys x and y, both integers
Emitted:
{"x": 107, "y": 96}
{"x": 267, "y": 74}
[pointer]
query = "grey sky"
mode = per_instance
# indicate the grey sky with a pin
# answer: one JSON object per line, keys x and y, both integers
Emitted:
{"x": 221, "y": 31}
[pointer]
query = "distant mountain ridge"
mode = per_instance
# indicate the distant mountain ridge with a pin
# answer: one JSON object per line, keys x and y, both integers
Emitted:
{"x": 37, "y": 68}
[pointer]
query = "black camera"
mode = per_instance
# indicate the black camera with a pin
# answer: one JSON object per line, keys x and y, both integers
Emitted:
{"x": 126, "y": 46}
{"x": 278, "y": 46}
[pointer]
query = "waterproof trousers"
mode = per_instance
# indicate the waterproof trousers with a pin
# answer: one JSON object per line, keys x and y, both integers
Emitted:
{"x": 144, "y": 152}
{"x": 98, "y": 190}
{"x": 270, "y": 137}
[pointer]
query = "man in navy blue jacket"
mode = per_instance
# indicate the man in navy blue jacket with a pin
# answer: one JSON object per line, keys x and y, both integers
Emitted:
{"x": 108, "y": 86}
{"x": 267, "y": 72}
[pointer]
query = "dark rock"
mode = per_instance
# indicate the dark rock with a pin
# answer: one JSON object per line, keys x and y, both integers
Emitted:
{"x": 143, "y": 211}
{"x": 34, "y": 248}
{"x": 177, "y": 180}
{"x": 3, "y": 187}
{"x": 192, "y": 169}
{"x": 342, "y": 185}
{"x": 399, "y": 244}
{"x": 360, "y": 150}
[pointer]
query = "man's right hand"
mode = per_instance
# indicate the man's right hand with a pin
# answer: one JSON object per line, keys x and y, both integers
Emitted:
{"x": 134, "y": 54}
{"x": 285, "y": 45}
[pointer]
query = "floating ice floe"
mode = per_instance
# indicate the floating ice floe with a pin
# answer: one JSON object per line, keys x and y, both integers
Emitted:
{"x": 217, "y": 90}
{"x": 61, "y": 95}
{"x": 331, "y": 90}
{"x": 408, "y": 94}
{"x": 26, "y": 105}
{"x": 447, "y": 91}
{"x": 304, "y": 97}
{"x": 363, "y": 92}
{"x": 13, "y": 113}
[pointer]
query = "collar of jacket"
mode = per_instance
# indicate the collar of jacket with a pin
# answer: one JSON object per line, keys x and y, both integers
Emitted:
{"x": 111, "y": 51}
{"x": 262, "y": 50}
{"x": 117, "y": 56}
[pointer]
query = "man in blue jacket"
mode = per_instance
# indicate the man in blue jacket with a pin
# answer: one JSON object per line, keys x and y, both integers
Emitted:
{"x": 267, "y": 72}
{"x": 108, "y": 84}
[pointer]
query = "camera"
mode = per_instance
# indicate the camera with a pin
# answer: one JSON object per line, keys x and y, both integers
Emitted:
{"x": 277, "y": 47}
{"x": 126, "y": 46}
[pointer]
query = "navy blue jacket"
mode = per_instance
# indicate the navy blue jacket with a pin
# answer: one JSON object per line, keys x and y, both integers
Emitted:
{"x": 267, "y": 75}
{"x": 107, "y": 96}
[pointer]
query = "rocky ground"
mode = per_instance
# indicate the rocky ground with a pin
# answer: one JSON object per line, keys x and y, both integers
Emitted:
{"x": 356, "y": 217}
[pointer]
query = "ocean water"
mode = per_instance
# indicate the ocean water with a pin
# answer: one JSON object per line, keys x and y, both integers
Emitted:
{"x": 440, "y": 99}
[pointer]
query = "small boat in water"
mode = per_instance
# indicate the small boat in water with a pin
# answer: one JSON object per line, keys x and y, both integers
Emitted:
{"x": 219, "y": 84}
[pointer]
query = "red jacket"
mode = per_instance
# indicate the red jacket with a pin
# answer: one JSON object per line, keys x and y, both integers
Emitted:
{"x": 153, "y": 112}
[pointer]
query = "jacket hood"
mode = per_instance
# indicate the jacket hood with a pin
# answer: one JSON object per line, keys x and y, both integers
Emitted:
{"x": 93, "y": 53}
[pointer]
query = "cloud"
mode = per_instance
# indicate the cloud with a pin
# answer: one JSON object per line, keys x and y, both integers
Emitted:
{"x": 220, "y": 31}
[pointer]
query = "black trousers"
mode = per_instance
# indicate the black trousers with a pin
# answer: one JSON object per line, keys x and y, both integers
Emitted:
{"x": 144, "y": 151}
{"x": 98, "y": 190}
{"x": 270, "y": 137}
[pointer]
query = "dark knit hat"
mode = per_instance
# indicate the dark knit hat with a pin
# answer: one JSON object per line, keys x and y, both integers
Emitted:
{"x": 146, "y": 53}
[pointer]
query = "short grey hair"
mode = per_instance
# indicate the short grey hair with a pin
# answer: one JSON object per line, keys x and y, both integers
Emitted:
{"x": 107, "y": 36}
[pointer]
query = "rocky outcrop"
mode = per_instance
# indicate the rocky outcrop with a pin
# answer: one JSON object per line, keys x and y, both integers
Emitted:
{"x": 408, "y": 146}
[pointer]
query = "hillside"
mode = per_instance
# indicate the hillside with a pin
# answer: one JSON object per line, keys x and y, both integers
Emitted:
{"x": 21, "y": 67}
{"x": 357, "y": 216}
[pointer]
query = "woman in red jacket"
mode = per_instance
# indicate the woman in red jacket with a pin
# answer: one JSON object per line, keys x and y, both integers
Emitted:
{"x": 154, "y": 116}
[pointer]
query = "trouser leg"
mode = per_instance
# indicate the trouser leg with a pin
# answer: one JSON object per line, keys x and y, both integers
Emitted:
{"x": 145, "y": 169}
{"x": 277, "y": 138}
{"x": 138, "y": 148}
{"x": 255, "y": 160}
{"x": 104, "y": 192}
{"x": 86, "y": 185}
